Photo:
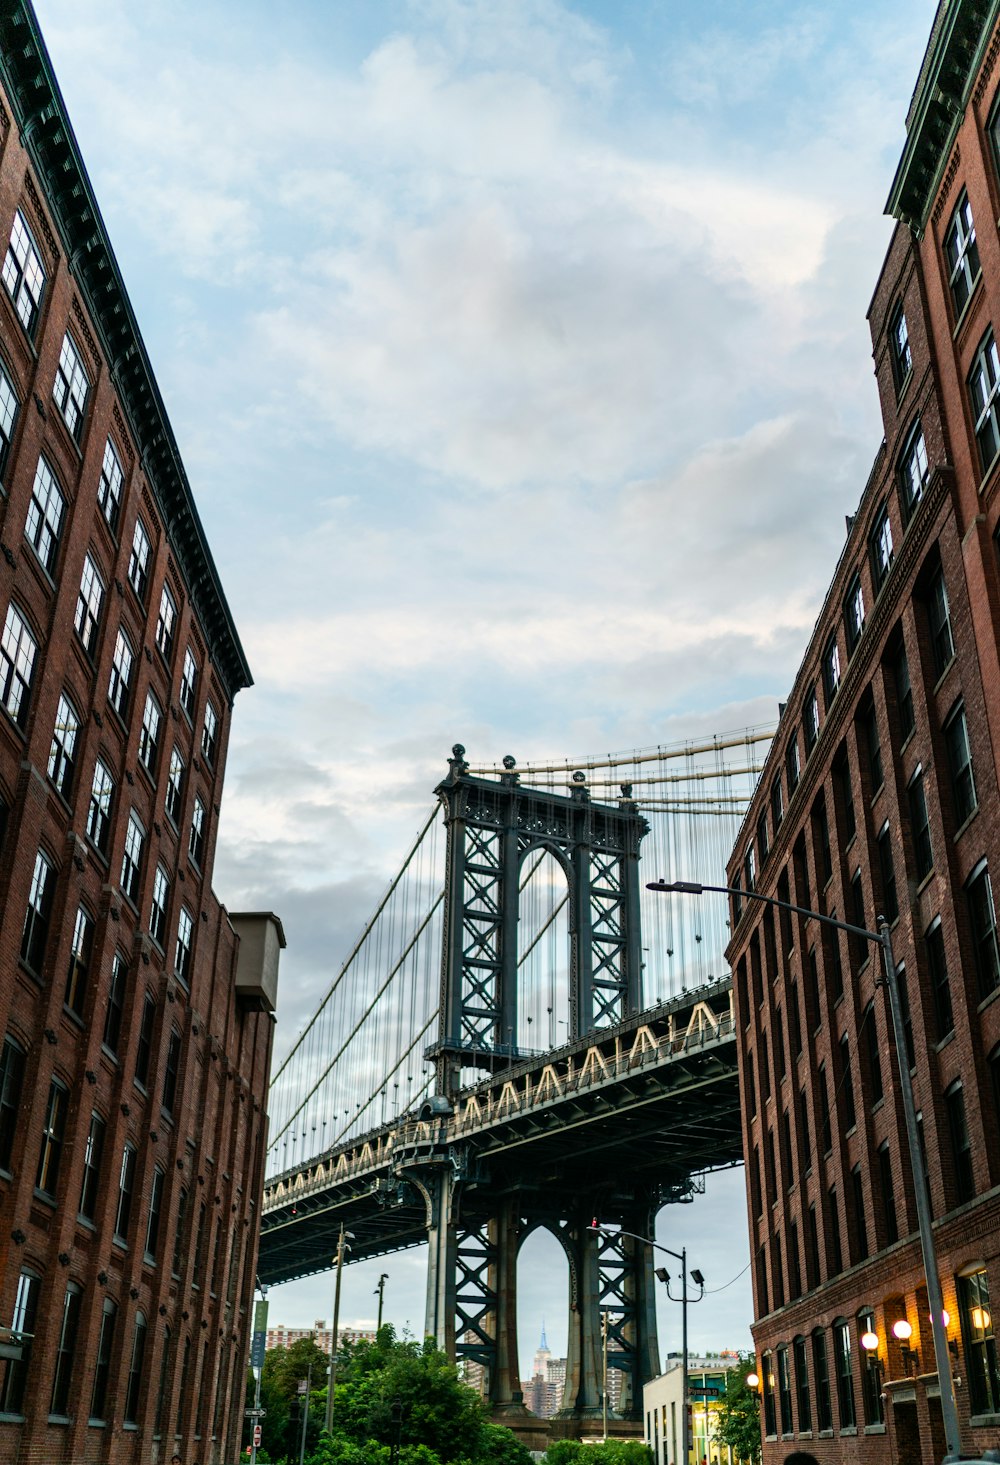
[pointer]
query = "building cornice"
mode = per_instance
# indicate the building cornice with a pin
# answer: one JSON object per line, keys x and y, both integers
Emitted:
{"x": 960, "y": 37}
{"x": 47, "y": 134}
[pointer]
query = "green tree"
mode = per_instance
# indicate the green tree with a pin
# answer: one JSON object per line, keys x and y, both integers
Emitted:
{"x": 283, "y": 1368}
{"x": 737, "y": 1423}
{"x": 608, "y": 1452}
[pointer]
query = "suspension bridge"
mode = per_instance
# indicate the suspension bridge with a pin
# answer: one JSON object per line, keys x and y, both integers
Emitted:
{"x": 523, "y": 1037}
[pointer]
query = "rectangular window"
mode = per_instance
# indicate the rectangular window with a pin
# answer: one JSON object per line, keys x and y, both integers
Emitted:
{"x": 762, "y": 840}
{"x": 860, "y": 1216}
{"x": 784, "y": 1391}
{"x": 875, "y": 1090}
{"x": 24, "y": 274}
{"x": 166, "y": 622}
{"x": 979, "y": 1336}
{"x": 158, "y": 909}
{"x": 135, "y": 838}
{"x": 920, "y": 825}
{"x": 43, "y": 525}
{"x": 810, "y": 719}
{"x": 9, "y": 407}
{"x": 854, "y": 613}
{"x": 199, "y": 1248}
{"x": 138, "y": 562}
{"x": 11, "y": 1085}
{"x": 99, "y": 810}
{"x": 831, "y": 670}
{"x": 899, "y": 348}
{"x": 873, "y": 743}
{"x": 126, "y": 1185}
{"x": 149, "y": 734}
{"x": 888, "y": 1194}
{"x": 963, "y": 785}
{"x": 185, "y": 931}
{"x": 109, "y": 490}
{"x": 961, "y": 1148}
{"x": 153, "y": 1216}
{"x": 767, "y": 1388}
{"x": 22, "y": 1326}
{"x": 210, "y": 732}
{"x": 824, "y": 1413}
{"x": 846, "y": 1085}
{"x": 871, "y": 1378}
{"x": 175, "y": 1265}
{"x": 792, "y": 765}
{"x": 887, "y": 875}
{"x": 63, "y": 749}
{"x": 802, "y": 1385}
{"x": 859, "y": 946}
{"x": 881, "y": 548}
{"x": 835, "y": 1251}
{"x": 961, "y": 254}
{"x": 88, "y": 606}
{"x": 65, "y": 1351}
{"x": 942, "y": 642}
{"x": 821, "y": 841}
{"x": 196, "y": 843}
{"x": 937, "y": 965}
{"x": 750, "y": 868}
{"x": 36, "y": 917}
{"x": 914, "y": 470}
{"x": 845, "y": 1375}
{"x": 904, "y": 694}
{"x": 175, "y": 785}
{"x": 53, "y": 1136}
{"x": 134, "y": 1386}
{"x": 102, "y": 1365}
{"x": 844, "y": 797}
{"x": 983, "y": 921}
{"x": 823, "y": 1097}
{"x": 79, "y": 962}
{"x": 984, "y": 385}
{"x": 116, "y": 1002}
{"x": 121, "y": 674}
{"x": 189, "y": 682}
{"x": 171, "y": 1070}
{"x": 777, "y": 803}
{"x": 71, "y": 387}
{"x": 92, "y": 1156}
{"x": 144, "y": 1047}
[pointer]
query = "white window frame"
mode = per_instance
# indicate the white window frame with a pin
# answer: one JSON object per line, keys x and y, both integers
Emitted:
{"x": 166, "y": 623}
{"x": 64, "y": 734}
{"x": 175, "y": 785}
{"x": 158, "y": 905}
{"x": 120, "y": 681}
{"x": 984, "y": 394}
{"x": 135, "y": 840}
{"x": 18, "y": 649}
{"x": 138, "y": 561}
{"x": 71, "y": 387}
{"x": 43, "y": 525}
{"x": 189, "y": 682}
{"x": 89, "y": 603}
{"x": 109, "y": 489}
{"x": 24, "y": 273}
{"x": 102, "y": 792}
{"x": 149, "y": 733}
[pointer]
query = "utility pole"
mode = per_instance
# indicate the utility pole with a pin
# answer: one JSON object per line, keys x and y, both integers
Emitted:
{"x": 335, "y": 1341}
{"x": 604, "y": 1390}
{"x": 257, "y": 1364}
{"x": 380, "y": 1293}
{"x": 305, "y": 1413}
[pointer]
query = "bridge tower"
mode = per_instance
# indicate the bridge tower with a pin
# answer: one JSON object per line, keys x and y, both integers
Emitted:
{"x": 476, "y": 1221}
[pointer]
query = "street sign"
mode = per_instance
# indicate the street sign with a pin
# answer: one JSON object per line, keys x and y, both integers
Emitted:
{"x": 11, "y": 1350}
{"x": 254, "y": 1413}
{"x": 256, "y": 1436}
{"x": 301, "y": 1387}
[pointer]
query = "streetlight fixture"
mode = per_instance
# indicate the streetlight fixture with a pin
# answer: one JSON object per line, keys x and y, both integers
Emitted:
{"x": 338, "y": 1260}
{"x": 380, "y": 1294}
{"x": 662, "y": 1275}
{"x": 881, "y": 938}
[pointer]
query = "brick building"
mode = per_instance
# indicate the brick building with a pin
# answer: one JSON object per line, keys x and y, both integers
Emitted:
{"x": 881, "y": 795}
{"x": 135, "y": 1014}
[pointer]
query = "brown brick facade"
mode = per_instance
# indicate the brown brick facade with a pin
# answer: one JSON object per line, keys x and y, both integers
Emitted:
{"x": 127, "y": 1240}
{"x": 830, "y": 1191}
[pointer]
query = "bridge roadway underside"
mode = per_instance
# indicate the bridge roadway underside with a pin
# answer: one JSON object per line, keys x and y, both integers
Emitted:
{"x": 608, "y": 1128}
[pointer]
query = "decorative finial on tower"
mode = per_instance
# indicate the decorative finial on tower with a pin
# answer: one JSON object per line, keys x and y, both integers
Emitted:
{"x": 509, "y": 775}
{"x": 456, "y": 763}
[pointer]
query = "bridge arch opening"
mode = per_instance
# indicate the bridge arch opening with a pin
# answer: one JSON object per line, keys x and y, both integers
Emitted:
{"x": 542, "y": 1311}
{"x": 543, "y": 953}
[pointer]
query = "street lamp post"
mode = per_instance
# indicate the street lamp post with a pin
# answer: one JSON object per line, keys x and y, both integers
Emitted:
{"x": 663, "y": 1276}
{"x": 882, "y": 938}
{"x": 380, "y": 1293}
{"x": 335, "y": 1340}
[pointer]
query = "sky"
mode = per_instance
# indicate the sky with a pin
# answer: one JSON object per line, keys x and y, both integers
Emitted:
{"x": 516, "y": 350}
